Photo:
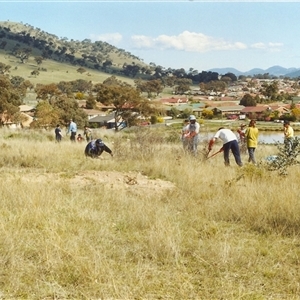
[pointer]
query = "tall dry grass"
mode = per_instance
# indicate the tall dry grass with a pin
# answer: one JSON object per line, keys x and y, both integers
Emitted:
{"x": 219, "y": 233}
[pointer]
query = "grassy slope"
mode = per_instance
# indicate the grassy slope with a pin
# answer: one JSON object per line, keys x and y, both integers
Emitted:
{"x": 56, "y": 71}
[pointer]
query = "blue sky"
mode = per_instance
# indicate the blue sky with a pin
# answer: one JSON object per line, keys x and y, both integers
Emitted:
{"x": 176, "y": 34}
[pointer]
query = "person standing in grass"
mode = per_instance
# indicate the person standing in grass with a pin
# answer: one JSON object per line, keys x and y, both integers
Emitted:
{"x": 242, "y": 140}
{"x": 230, "y": 142}
{"x": 288, "y": 132}
{"x": 192, "y": 134}
{"x": 73, "y": 130}
{"x": 251, "y": 136}
{"x": 87, "y": 133}
{"x": 58, "y": 134}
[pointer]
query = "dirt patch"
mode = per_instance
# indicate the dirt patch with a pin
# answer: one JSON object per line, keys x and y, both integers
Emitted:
{"x": 132, "y": 181}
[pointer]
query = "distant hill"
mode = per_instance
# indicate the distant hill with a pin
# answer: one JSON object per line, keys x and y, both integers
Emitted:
{"x": 16, "y": 38}
{"x": 275, "y": 71}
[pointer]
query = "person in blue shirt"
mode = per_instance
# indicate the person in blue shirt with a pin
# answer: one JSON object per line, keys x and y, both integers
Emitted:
{"x": 73, "y": 130}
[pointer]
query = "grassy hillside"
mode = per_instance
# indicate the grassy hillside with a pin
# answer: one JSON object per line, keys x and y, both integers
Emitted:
{"x": 56, "y": 71}
{"x": 61, "y": 57}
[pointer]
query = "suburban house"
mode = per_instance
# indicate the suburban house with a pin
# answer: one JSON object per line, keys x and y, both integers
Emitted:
{"x": 92, "y": 113}
{"x": 27, "y": 113}
{"x": 227, "y": 111}
{"x": 107, "y": 121}
{"x": 260, "y": 112}
{"x": 196, "y": 108}
{"x": 174, "y": 101}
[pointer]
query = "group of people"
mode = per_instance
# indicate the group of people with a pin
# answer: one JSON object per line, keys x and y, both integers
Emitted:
{"x": 246, "y": 138}
{"x": 94, "y": 148}
{"x": 72, "y": 129}
{"x": 230, "y": 142}
{"x": 190, "y": 140}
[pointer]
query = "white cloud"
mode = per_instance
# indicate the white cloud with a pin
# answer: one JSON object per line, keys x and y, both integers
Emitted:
{"x": 273, "y": 47}
{"x": 111, "y": 38}
{"x": 187, "y": 41}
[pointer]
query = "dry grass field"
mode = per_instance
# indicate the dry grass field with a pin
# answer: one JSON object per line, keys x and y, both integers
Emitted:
{"x": 150, "y": 223}
{"x": 56, "y": 71}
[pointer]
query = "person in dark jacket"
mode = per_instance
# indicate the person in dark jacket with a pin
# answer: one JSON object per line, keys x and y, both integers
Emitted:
{"x": 95, "y": 148}
{"x": 58, "y": 133}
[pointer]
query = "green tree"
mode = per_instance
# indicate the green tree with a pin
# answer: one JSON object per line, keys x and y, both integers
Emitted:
{"x": 4, "y": 68}
{"x": 90, "y": 103}
{"x": 182, "y": 85}
{"x": 81, "y": 70}
{"x": 125, "y": 99}
{"x": 207, "y": 113}
{"x": 248, "y": 100}
{"x": 38, "y": 59}
{"x": 69, "y": 109}
{"x": 270, "y": 90}
{"x": 45, "y": 116}
{"x": 47, "y": 91}
{"x": 10, "y": 99}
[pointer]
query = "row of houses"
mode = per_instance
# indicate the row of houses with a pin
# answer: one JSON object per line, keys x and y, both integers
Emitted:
{"x": 105, "y": 117}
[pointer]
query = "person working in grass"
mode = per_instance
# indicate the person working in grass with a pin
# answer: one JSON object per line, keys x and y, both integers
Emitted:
{"x": 191, "y": 134}
{"x": 95, "y": 148}
{"x": 230, "y": 142}
{"x": 251, "y": 135}
{"x": 288, "y": 132}
{"x": 87, "y": 133}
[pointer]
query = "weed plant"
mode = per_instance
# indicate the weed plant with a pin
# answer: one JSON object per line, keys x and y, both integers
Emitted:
{"x": 150, "y": 223}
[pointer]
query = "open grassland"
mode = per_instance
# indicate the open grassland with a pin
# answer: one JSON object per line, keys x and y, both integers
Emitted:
{"x": 55, "y": 71}
{"x": 149, "y": 223}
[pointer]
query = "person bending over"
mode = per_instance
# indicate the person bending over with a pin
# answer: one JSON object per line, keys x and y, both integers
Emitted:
{"x": 230, "y": 142}
{"x": 95, "y": 148}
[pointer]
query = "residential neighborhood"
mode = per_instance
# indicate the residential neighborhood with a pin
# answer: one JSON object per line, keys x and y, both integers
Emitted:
{"x": 203, "y": 104}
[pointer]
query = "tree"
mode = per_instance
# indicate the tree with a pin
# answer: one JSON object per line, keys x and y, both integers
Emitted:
{"x": 174, "y": 112}
{"x": 47, "y": 91}
{"x": 90, "y": 102}
{"x": 149, "y": 87}
{"x": 23, "y": 54}
{"x": 182, "y": 85}
{"x": 35, "y": 73}
{"x": 81, "y": 70}
{"x": 39, "y": 59}
{"x": 248, "y": 100}
{"x": 4, "y": 68}
{"x": 125, "y": 99}
{"x": 271, "y": 90}
{"x": 207, "y": 113}
{"x": 69, "y": 109}
{"x": 10, "y": 99}
{"x": 213, "y": 86}
{"x": 231, "y": 76}
{"x": 46, "y": 115}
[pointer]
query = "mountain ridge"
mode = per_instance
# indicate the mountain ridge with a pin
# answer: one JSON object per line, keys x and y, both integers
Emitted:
{"x": 274, "y": 71}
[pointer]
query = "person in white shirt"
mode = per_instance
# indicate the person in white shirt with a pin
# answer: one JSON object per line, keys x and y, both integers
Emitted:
{"x": 192, "y": 134}
{"x": 230, "y": 142}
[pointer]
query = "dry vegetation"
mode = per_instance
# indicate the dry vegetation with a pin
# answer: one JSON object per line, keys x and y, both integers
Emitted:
{"x": 150, "y": 223}
{"x": 56, "y": 71}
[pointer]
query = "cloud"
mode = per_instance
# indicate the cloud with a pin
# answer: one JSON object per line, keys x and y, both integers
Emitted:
{"x": 187, "y": 41}
{"x": 111, "y": 38}
{"x": 273, "y": 47}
